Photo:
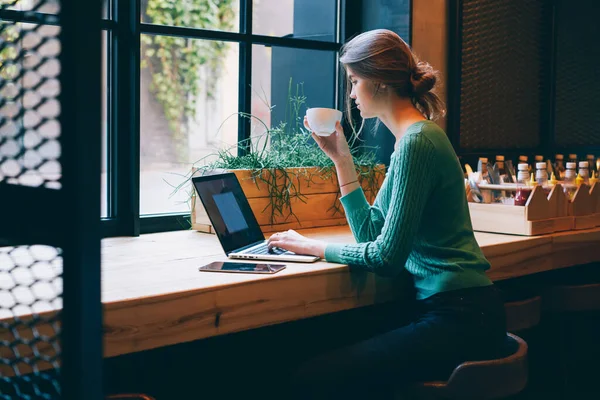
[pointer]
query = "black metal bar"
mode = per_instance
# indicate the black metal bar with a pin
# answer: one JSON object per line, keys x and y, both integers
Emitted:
{"x": 336, "y": 66}
{"x": 549, "y": 134}
{"x": 29, "y": 17}
{"x": 162, "y": 223}
{"x": 108, "y": 24}
{"x": 110, "y": 227}
{"x": 245, "y": 77}
{"x": 410, "y": 21}
{"x": 19, "y": 223}
{"x": 454, "y": 72}
{"x": 111, "y": 123}
{"x": 126, "y": 111}
{"x": 195, "y": 33}
{"x": 80, "y": 99}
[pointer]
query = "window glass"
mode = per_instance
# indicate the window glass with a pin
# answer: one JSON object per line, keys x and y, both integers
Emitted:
{"x": 284, "y": 82}
{"x": 302, "y": 19}
{"x": 188, "y": 112}
{"x": 219, "y": 15}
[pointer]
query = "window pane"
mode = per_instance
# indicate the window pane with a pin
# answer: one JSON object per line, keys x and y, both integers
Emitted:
{"x": 104, "y": 180}
{"x": 304, "y": 19}
{"x": 218, "y": 15}
{"x": 188, "y": 89}
{"x": 43, "y": 6}
{"x": 105, "y": 9}
{"x": 278, "y": 72}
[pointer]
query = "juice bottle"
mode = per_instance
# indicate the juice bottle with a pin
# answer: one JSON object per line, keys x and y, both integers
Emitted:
{"x": 541, "y": 175}
{"x": 569, "y": 180}
{"x": 584, "y": 171}
{"x": 523, "y": 189}
{"x": 559, "y": 166}
{"x": 591, "y": 163}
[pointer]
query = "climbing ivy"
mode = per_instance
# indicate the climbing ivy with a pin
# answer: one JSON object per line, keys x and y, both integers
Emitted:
{"x": 175, "y": 62}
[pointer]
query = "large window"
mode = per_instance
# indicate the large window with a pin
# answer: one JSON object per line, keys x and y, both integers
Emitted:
{"x": 177, "y": 76}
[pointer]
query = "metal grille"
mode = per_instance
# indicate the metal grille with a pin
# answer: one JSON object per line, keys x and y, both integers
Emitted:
{"x": 29, "y": 108}
{"x": 577, "y": 107}
{"x": 30, "y": 295}
{"x": 505, "y": 66}
{"x": 42, "y": 6}
{"x": 30, "y": 276}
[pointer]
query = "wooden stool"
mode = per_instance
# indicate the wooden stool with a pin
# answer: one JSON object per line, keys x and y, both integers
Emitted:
{"x": 129, "y": 396}
{"x": 523, "y": 314}
{"x": 489, "y": 379}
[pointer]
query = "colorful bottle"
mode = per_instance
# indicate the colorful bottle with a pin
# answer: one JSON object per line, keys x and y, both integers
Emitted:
{"x": 523, "y": 189}
{"x": 584, "y": 172}
{"x": 541, "y": 174}
{"x": 593, "y": 178}
{"x": 569, "y": 180}
{"x": 501, "y": 167}
{"x": 559, "y": 166}
{"x": 573, "y": 158}
{"x": 591, "y": 163}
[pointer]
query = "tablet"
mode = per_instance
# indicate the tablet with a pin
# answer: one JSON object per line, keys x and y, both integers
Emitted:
{"x": 248, "y": 268}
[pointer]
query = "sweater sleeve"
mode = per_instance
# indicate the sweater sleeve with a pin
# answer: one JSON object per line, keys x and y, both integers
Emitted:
{"x": 388, "y": 252}
{"x": 365, "y": 221}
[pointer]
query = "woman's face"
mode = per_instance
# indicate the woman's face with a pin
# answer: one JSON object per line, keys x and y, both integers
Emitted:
{"x": 364, "y": 95}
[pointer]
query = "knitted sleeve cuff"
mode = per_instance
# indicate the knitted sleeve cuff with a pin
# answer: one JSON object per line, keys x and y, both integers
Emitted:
{"x": 333, "y": 252}
{"x": 355, "y": 200}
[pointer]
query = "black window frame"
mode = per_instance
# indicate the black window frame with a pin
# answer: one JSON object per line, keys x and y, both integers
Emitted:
{"x": 125, "y": 29}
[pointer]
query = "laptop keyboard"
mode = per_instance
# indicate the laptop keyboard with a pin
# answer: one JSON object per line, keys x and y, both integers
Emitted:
{"x": 264, "y": 249}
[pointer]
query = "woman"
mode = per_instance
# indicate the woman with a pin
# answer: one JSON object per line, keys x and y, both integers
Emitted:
{"x": 419, "y": 221}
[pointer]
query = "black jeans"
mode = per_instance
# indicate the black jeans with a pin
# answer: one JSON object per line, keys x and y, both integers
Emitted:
{"x": 448, "y": 329}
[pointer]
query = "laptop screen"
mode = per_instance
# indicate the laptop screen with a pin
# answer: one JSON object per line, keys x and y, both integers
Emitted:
{"x": 228, "y": 210}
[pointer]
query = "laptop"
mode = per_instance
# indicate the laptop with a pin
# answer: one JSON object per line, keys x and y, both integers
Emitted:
{"x": 234, "y": 222}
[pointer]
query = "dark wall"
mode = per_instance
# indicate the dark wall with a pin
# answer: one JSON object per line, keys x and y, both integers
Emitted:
{"x": 525, "y": 82}
{"x": 577, "y": 107}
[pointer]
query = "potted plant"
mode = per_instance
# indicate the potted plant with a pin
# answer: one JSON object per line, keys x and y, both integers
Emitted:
{"x": 289, "y": 182}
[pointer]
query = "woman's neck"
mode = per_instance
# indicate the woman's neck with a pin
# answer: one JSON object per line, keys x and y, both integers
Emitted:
{"x": 400, "y": 115}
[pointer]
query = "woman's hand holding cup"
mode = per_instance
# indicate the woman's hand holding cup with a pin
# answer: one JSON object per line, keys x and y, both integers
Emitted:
{"x": 335, "y": 145}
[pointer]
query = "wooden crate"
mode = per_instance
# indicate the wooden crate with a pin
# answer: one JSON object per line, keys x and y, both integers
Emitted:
{"x": 313, "y": 204}
{"x": 542, "y": 214}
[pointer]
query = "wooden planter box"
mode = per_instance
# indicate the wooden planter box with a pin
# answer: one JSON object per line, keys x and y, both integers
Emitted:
{"x": 314, "y": 198}
{"x": 542, "y": 214}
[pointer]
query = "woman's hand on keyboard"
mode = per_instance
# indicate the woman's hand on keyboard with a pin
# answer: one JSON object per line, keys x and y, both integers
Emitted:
{"x": 293, "y": 241}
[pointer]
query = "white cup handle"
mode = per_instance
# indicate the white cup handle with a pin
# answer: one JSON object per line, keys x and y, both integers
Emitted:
{"x": 306, "y": 124}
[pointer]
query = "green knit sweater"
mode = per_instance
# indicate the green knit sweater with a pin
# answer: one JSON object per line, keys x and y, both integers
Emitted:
{"x": 419, "y": 220}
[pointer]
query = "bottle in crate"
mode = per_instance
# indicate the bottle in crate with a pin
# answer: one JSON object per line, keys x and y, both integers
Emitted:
{"x": 523, "y": 188}
{"x": 569, "y": 180}
{"x": 584, "y": 172}
{"x": 541, "y": 175}
{"x": 559, "y": 166}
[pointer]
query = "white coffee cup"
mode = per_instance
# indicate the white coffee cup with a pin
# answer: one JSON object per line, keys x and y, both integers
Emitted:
{"x": 322, "y": 120}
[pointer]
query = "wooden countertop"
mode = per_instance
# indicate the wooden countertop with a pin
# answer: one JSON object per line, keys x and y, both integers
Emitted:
{"x": 154, "y": 296}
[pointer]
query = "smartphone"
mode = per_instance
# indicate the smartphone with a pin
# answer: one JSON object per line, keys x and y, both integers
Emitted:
{"x": 248, "y": 268}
